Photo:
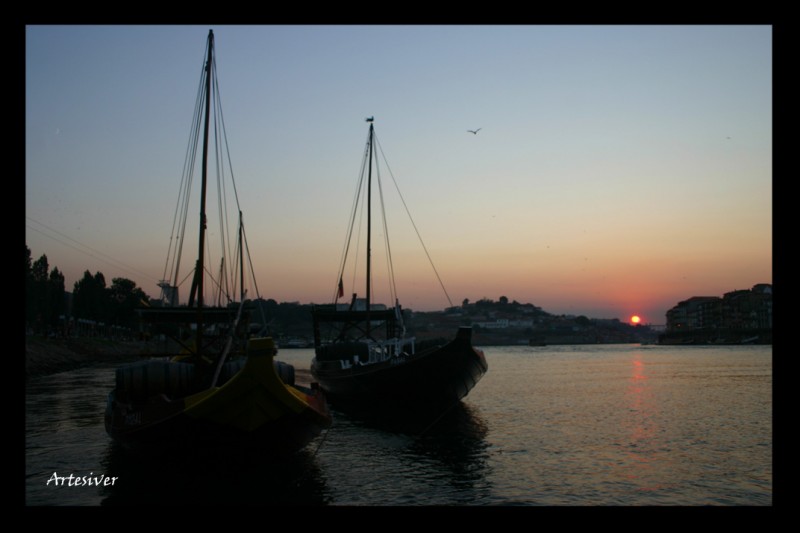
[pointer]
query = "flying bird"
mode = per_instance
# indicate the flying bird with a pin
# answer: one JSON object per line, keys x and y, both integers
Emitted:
{"x": 475, "y": 132}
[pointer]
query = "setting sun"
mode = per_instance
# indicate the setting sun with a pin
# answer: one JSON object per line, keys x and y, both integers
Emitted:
{"x": 635, "y": 319}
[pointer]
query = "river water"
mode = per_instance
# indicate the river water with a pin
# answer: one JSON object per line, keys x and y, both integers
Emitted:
{"x": 598, "y": 425}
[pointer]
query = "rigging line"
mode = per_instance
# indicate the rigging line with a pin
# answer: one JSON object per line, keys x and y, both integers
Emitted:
{"x": 359, "y": 233}
{"x": 184, "y": 191}
{"x": 225, "y": 139}
{"x": 223, "y": 199}
{"x": 322, "y": 440}
{"x": 222, "y": 142}
{"x": 183, "y": 208}
{"x": 222, "y": 276}
{"x": 389, "y": 263}
{"x": 436, "y": 420}
{"x": 250, "y": 261}
{"x": 192, "y": 155}
{"x": 306, "y": 474}
{"x": 219, "y": 137}
{"x": 222, "y": 213}
{"x": 238, "y": 263}
{"x": 108, "y": 259}
{"x": 351, "y": 221}
{"x": 179, "y": 218}
{"x": 181, "y": 214}
{"x": 397, "y": 187}
{"x": 215, "y": 282}
{"x": 236, "y": 267}
{"x": 362, "y": 214}
{"x": 354, "y": 212}
{"x": 185, "y": 278}
{"x": 228, "y": 342}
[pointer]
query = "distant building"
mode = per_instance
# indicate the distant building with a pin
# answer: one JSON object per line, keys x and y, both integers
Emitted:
{"x": 748, "y": 309}
{"x": 739, "y": 309}
{"x": 505, "y": 323}
{"x": 500, "y": 323}
{"x": 360, "y": 304}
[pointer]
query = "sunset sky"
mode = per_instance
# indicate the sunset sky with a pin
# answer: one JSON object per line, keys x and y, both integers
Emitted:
{"x": 618, "y": 169}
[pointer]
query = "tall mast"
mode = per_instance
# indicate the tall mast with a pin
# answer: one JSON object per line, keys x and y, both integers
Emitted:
{"x": 200, "y": 255}
{"x": 369, "y": 220}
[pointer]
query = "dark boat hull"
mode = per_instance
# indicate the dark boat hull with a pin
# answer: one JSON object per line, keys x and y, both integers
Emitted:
{"x": 434, "y": 377}
{"x": 254, "y": 409}
{"x": 179, "y": 431}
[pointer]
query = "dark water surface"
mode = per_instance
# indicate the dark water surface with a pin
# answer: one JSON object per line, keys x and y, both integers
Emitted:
{"x": 599, "y": 425}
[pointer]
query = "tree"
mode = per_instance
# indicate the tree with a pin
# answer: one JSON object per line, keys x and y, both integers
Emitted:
{"x": 484, "y": 302}
{"x": 44, "y": 293}
{"x": 39, "y": 300}
{"x": 583, "y": 321}
{"x": 122, "y": 299}
{"x": 30, "y": 301}
{"x": 503, "y": 300}
{"x": 55, "y": 297}
{"x": 89, "y": 299}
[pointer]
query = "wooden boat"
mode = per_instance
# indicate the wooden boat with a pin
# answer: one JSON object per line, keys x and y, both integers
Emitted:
{"x": 363, "y": 356}
{"x": 220, "y": 386}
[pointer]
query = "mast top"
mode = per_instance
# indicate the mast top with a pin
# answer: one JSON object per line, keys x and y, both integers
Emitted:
{"x": 370, "y": 119}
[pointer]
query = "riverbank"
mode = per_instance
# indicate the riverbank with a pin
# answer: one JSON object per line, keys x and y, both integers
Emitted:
{"x": 45, "y": 356}
{"x": 49, "y": 356}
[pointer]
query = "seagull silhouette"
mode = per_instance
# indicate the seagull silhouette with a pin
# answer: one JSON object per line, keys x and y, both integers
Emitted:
{"x": 475, "y": 132}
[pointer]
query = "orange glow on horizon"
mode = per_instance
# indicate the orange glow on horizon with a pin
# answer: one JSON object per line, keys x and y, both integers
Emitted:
{"x": 635, "y": 319}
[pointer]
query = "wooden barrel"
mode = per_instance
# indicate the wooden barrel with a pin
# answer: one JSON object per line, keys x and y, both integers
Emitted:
{"x": 146, "y": 378}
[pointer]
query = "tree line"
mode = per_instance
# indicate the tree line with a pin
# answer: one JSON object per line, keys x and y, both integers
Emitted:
{"x": 46, "y": 309}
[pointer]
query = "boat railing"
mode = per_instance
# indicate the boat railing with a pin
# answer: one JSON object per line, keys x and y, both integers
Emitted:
{"x": 380, "y": 351}
{"x": 377, "y": 351}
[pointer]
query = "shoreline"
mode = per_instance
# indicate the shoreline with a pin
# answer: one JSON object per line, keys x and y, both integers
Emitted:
{"x": 45, "y": 356}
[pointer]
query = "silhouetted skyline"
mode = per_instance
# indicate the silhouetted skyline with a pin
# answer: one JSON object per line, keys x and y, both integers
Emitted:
{"x": 617, "y": 171}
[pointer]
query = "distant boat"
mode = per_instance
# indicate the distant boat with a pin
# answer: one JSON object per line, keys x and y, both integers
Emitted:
{"x": 220, "y": 387}
{"x": 362, "y": 355}
{"x": 296, "y": 343}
